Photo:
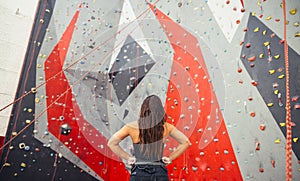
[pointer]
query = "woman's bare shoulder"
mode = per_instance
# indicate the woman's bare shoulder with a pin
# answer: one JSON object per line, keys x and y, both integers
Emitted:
{"x": 170, "y": 127}
{"x": 132, "y": 125}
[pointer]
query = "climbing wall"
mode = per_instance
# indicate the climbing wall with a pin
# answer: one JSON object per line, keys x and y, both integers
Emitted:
{"x": 218, "y": 67}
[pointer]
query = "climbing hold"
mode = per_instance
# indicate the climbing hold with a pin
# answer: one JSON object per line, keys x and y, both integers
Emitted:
{"x": 65, "y": 129}
{"x": 280, "y": 76}
{"x": 7, "y": 164}
{"x": 261, "y": 55}
{"x": 297, "y": 34}
{"x": 295, "y": 98}
{"x": 281, "y": 41}
{"x": 254, "y": 83}
{"x": 262, "y": 127}
{"x": 261, "y": 169}
{"x": 269, "y": 17}
{"x": 239, "y": 70}
{"x": 257, "y": 145}
{"x": 266, "y": 43}
{"x": 256, "y": 29}
{"x": 252, "y": 114}
{"x": 61, "y": 118}
{"x": 22, "y": 145}
{"x": 36, "y": 100}
{"x": 272, "y": 71}
{"x": 295, "y": 140}
{"x": 293, "y": 11}
{"x": 270, "y": 104}
{"x": 27, "y": 148}
{"x": 23, "y": 164}
{"x": 33, "y": 90}
{"x": 194, "y": 168}
{"x": 296, "y": 24}
{"x": 282, "y": 124}
{"x": 277, "y": 56}
{"x": 277, "y": 141}
{"x": 248, "y": 45}
{"x": 264, "y": 32}
{"x": 275, "y": 85}
{"x": 273, "y": 163}
{"x": 252, "y": 59}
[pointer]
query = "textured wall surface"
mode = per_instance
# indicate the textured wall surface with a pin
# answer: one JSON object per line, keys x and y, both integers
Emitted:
{"x": 218, "y": 67}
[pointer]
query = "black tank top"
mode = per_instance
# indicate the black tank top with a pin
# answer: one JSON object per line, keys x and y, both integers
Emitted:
{"x": 140, "y": 158}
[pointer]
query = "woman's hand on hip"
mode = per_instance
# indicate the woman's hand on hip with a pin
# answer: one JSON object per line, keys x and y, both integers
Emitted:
{"x": 166, "y": 160}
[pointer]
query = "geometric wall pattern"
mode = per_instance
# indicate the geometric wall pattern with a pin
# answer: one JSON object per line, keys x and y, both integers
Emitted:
{"x": 263, "y": 57}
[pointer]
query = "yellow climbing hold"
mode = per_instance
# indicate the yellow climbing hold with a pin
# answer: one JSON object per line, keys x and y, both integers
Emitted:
{"x": 269, "y": 17}
{"x": 270, "y": 104}
{"x": 280, "y": 76}
{"x": 295, "y": 139}
{"x": 282, "y": 124}
{"x": 256, "y": 30}
{"x": 277, "y": 56}
{"x": 276, "y": 92}
{"x": 267, "y": 43}
{"x": 37, "y": 100}
{"x": 297, "y": 34}
{"x": 23, "y": 165}
{"x": 277, "y": 141}
{"x": 264, "y": 32}
{"x": 293, "y": 11}
{"x": 253, "y": 14}
{"x": 296, "y": 24}
{"x": 7, "y": 164}
{"x": 28, "y": 121}
{"x": 272, "y": 71}
{"x": 39, "y": 65}
{"x": 261, "y": 55}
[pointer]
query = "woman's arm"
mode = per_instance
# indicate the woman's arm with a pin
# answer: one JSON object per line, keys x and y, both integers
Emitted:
{"x": 184, "y": 143}
{"x": 113, "y": 143}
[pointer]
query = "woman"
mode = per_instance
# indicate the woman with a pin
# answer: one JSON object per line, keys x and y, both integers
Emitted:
{"x": 148, "y": 135}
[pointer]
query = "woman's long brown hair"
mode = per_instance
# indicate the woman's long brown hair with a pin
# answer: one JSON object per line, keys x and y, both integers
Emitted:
{"x": 151, "y": 121}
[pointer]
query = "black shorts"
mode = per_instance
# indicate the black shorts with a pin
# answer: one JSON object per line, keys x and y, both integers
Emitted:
{"x": 149, "y": 173}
